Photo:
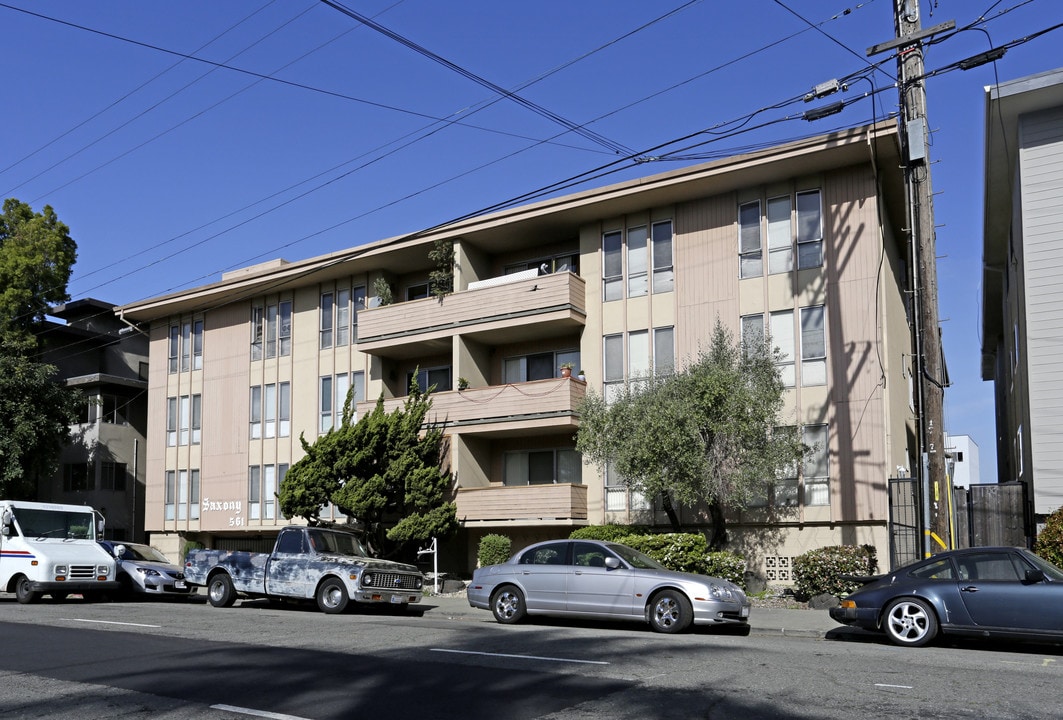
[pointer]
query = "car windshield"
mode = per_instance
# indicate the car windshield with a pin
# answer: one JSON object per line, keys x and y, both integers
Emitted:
{"x": 634, "y": 558}
{"x": 1051, "y": 571}
{"x": 145, "y": 553}
{"x": 336, "y": 543}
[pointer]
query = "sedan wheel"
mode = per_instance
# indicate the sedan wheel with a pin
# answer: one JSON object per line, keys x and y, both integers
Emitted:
{"x": 507, "y": 604}
{"x": 910, "y": 622}
{"x": 670, "y": 612}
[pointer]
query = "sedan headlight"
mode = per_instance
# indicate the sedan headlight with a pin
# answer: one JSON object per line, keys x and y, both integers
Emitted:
{"x": 149, "y": 572}
{"x": 721, "y": 592}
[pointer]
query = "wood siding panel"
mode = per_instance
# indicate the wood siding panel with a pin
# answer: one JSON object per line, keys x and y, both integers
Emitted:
{"x": 522, "y": 503}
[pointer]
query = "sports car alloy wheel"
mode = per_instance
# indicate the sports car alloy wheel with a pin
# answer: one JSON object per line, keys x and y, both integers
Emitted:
{"x": 910, "y": 622}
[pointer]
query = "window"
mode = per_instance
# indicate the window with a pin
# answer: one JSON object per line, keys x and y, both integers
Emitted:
{"x": 637, "y": 262}
{"x": 174, "y": 345}
{"x": 782, "y": 337}
{"x": 78, "y": 477}
{"x": 617, "y": 495}
{"x": 197, "y": 345}
{"x": 182, "y": 494}
{"x": 809, "y": 230}
{"x": 113, "y": 476}
{"x": 269, "y": 410}
{"x": 333, "y": 395}
{"x": 613, "y": 365}
{"x": 645, "y": 357}
{"x": 186, "y": 346}
{"x": 752, "y": 332}
{"x": 254, "y": 492}
{"x": 437, "y": 377}
{"x": 197, "y": 418}
{"x": 284, "y": 330}
{"x": 817, "y": 487}
{"x": 417, "y": 292}
{"x": 539, "y": 366}
{"x": 780, "y": 244}
{"x": 171, "y": 422}
{"x": 813, "y": 347}
{"x": 565, "y": 262}
{"x": 325, "y": 402}
{"x": 185, "y": 420}
{"x": 784, "y": 491}
{"x": 256, "y": 412}
{"x": 663, "y": 272}
{"x": 612, "y": 266}
{"x": 638, "y": 354}
{"x": 284, "y": 409}
{"x": 326, "y": 320}
{"x": 274, "y": 323}
{"x": 542, "y": 467}
{"x": 663, "y": 351}
{"x": 262, "y": 484}
{"x": 193, "y": 495}
{"x": 358, "y": 302}
{"x": 750, "y": 260}
{"x": 272, "y": 320}
{"x": 170, "y": 495}
{"x": 256, "y": 333}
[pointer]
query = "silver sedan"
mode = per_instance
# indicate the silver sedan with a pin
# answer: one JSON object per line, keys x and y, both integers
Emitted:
{"x": 604, "y": 581}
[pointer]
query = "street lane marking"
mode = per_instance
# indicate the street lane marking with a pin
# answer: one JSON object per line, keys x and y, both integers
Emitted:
{"x": 256, "y": 713}
{"x": 113, "y": 622}
{"x": 902, "y": 687}
{"x": 520, "y": 657}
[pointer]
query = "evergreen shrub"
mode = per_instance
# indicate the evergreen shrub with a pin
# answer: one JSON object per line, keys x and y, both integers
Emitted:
{"x": 1049, "y": 543}
{"x": 818, "y": 572}
{"x": 493, "y": 550}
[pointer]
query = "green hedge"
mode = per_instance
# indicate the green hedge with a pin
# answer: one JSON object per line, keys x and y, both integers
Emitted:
{"x": 493, "y": 550}
{"x": 1049, "y": 543}
{"x": 818, "y": 572}
{"x": 607, "y": 533}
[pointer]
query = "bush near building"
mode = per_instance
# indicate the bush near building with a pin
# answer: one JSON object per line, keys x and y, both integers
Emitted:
{"x": 493, "y": 550}
{"x": 821, "y": 571}
{"x": 607, "y": 533}
{"x": 1049, "y": 543}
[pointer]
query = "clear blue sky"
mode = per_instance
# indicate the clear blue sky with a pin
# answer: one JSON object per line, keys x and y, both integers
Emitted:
{"x": 307, "y": 132}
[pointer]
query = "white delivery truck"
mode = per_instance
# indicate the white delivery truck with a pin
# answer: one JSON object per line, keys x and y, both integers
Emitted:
{"x": 51, "y": 548}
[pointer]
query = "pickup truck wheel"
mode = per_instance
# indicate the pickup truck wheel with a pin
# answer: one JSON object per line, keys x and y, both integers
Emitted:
{"x": 332, "y": 597}
{"x": 220, "y": 591}
{"x": 23, "y": 593}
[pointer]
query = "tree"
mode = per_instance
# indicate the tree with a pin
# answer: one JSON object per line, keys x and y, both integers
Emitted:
{"x": 709, "y": 433}
{"x": 384, "y": 470}
{"x": 36, "y": 256}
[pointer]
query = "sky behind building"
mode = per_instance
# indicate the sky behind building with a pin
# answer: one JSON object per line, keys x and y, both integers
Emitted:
{"x": 182, "y": 140}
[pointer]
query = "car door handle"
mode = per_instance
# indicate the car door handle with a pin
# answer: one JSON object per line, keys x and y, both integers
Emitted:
{"x": 970, "y": 589}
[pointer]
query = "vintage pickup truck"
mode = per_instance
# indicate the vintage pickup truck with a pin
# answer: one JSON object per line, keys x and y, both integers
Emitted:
{"x": 307, "y": 563}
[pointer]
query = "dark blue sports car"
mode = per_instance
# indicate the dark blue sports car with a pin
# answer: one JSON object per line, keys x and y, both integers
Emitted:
{"x": 981, "y": 592}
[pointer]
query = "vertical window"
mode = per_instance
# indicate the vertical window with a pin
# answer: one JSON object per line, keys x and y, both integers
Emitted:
{"x": 182, "y": 494}
{"x": 357, "y": 303}
{"x": 809, "y": 230}
{"x": 750, "y": 259}
{"x": 663, "y": 271}
{"x": 284, "y": 332}
{"x": 269, "y": 410}
{"x": 343, "y": 317}
{"x": 341, "y": 383}
{"x": 197, "y": 418}
{"x": 193, "y": 495}
{"x": 813, "y": 347}
{"x": 780, "y": 240}
{"x": 113, "y": 476}
{"x": 185, "y": 421}
{"x": 663, "y": 351}
{"x": 256, "y": 412}
{"x": 612, "y": 266}
{"x": 284, "y": 409}
{"x": 638, "y": 355}
{"x": 269, "y": 491}
{"x": 272, "y": 317}
{"x": 254, "y": 492}
{"x": 785, "y": 488}
{"x": 637, "y": 261}
{"x": 817, "y": 485}
{"x": 752, "y": 332}
{"x": 170, "y": 495}
{"x": 782, "y": 337}
{"x": 613, "y": 365}
{"x": 256, "y": 333}
{"x": 357, "y": 391}
{"x": 175, "y": 343}
{"x": 197, "y": 345}
{"x": 186, "y": 346}
{"x": 171, "y": 422}
{"x": 326, "y": 320}
{"x": 325, "y": 402}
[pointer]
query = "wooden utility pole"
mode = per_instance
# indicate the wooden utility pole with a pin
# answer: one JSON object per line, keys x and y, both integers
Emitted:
{"x": 929, "y": 365}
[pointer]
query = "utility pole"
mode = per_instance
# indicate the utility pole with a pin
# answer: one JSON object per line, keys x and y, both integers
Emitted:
{"x": 928, "y": 371}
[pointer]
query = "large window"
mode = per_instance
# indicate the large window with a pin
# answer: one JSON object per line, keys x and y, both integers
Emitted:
{"x": 630, "y": 259}
{"x": 782, "y": 337}
{"x": 185, "y": 346}
{"x": 262, "y": 484}
{"x": 184, "y": 420}
{"x": 543, "y": 467}
{"x": 271, "y": 330}
{"x": 433, "y": 377}
{"x": 333, "y": 394}
{"x": 785, "y": 229}
{"x": 816, "y": 466}
{"x": 644, "y": 353}
{"x": 813, "y": 347}
{"x": 538, "y": 366}
{"x": 339, "y": 316}
{"x": 618, "y": 497}
{"x": 113, "y": 476}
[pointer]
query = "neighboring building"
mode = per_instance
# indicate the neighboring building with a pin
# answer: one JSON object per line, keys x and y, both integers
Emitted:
{"x": 1022, "y": 306}
{"x": 103, "y": 466}
{"x": 962, "y": 454}
{"x": 802, "y": 240}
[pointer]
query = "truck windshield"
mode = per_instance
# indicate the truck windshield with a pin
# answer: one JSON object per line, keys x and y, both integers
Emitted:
{"x": 55, "y": 524}
{"x": 336, "y": 543}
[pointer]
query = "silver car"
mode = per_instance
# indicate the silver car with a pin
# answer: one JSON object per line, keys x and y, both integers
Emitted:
{"x": 604, "y": 581}
{"x": 143, "y": 570}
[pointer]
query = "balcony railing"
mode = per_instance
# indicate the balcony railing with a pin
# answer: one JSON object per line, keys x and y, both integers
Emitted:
{"x": 531, "y": 503}
{"x": 538, "y": 399}
{"x": 536, "y": 307}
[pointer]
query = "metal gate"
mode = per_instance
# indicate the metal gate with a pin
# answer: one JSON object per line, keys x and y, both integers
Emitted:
{"x": 906, "y": 522}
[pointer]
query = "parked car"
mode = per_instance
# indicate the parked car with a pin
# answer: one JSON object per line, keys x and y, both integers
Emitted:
{"x": 143, "y": 570}
{"x": 604, "y": 581}
{"x": 982, "y": 592}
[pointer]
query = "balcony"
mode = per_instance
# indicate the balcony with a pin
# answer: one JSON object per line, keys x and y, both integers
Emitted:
{"x": 529, "y": 309}
{"x": 523, "y": 504}
{"x": 517, "y": 409}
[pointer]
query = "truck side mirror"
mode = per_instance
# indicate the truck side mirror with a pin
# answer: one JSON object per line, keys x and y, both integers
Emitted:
{"x": 119, "y": 551}
{"x": 5, "y": 531}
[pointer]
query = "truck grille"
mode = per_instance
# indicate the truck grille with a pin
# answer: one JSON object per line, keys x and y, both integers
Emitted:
{"x": 391, "y": 581}
{"x": 82, "y": 571}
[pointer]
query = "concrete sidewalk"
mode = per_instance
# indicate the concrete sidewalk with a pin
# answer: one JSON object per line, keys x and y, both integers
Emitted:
{"x": 762, "y": 621}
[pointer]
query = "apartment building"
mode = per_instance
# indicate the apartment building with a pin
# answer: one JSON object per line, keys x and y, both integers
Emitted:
{"x": 103, "y": 464}
{"x": 1022, "y": 326}
{"x": 801, "y": 240}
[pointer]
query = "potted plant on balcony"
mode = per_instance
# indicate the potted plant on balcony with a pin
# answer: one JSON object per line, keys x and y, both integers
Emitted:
{"x": 463, "y": 383}
{"x": 566, "y": 369}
